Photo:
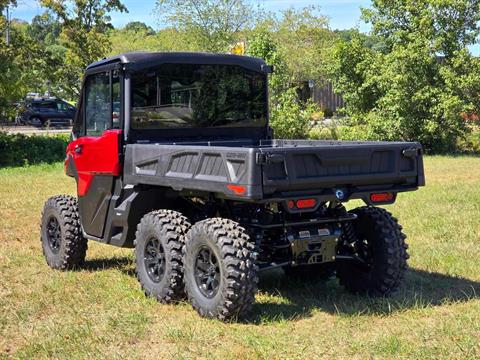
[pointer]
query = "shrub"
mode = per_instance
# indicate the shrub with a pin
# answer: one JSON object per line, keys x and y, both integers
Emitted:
{"x": 323, "y": 133}
{"x": 18, "y": 149}
{"x": 470, "y": 143}
{"x": 289, "y": 118}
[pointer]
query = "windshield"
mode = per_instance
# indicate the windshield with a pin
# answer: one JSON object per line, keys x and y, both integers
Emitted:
{"x": 198, "y": 96}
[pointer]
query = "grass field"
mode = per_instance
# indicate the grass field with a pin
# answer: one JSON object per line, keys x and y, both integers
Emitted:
{"x": 100, "y": 312}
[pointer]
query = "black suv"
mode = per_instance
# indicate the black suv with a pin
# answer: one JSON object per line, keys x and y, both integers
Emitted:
{"x": 42, "y": 112}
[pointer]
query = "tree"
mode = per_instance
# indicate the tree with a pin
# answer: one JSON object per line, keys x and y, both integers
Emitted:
{"x": 85, "y": 26}
{"x": 448, "y": 25}
{"x": 212, "y": 25}
{"x": 370, "y": 41}
{"x": 262, "y": 45}
{"x": 20, "y": 63}
{"x": 303, "y": 37}
{"x": 295, "y": 44}
{"x": 138, "y": 26}
{"x": 45, "y": 28}
{"x": 5, "y": 3}
{"x": 419, "y": 85}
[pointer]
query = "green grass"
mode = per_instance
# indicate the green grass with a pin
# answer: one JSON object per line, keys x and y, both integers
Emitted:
{"x": 100, "y": 312}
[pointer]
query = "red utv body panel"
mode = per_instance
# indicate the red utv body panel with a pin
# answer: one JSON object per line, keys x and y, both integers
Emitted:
{"x": 94, "y": 156}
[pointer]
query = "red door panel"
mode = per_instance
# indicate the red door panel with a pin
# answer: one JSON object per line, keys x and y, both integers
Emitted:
{"x": 95, "y": 156}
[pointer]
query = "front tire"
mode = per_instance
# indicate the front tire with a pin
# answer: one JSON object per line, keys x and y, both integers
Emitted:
{"x": 377, "y": 239}
{"x": 63, "y": 244}
{"x": 220, "y": 270}
{"x": 36, "y": 121}
{"x": 158, "y": 254}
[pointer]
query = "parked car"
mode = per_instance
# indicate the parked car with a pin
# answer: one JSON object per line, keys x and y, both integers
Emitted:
{"x": 43, "y": 112}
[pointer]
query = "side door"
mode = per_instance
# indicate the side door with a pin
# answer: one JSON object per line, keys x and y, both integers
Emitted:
{"x": 94, "y": 156}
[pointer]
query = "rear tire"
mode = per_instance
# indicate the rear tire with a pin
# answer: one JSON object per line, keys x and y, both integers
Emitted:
{"x": 158, "y": 254}
{"x": 63, "y": 244}
{"x": 383, "y": 242}
{"x": 220, "y": 270}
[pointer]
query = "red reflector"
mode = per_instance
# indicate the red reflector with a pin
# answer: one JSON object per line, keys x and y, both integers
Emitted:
{"x": 306, "y": 203}
{"x": 237, "y": 189}
{"x": 291, "y": 204}
{"x": 381, "y": 197}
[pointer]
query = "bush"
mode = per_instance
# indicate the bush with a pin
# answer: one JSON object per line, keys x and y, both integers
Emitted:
{"x": 290, "y": 118}
{"x": 18, "y": 149}
{"x": 470, "y": 143}
{"x": 323, "y": 133}
{"x": 407, "y": 93}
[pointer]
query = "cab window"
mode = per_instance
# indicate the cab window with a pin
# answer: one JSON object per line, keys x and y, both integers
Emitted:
{"x": 115, "y": 100}
{"x": 97, "y": 104}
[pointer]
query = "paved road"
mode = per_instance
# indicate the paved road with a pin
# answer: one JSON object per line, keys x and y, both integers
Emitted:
{"x": 31, "y": 130}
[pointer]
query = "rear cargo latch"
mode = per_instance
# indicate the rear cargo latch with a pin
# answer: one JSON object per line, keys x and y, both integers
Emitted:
{"x": 266, "y": 159}
{"x": 411, "y": 152}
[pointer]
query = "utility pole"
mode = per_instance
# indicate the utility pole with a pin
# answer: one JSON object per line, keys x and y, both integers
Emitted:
{"x": 7, "y": 34}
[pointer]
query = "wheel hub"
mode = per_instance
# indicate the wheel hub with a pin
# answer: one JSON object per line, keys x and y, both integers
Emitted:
{"x": 207, "y": 272}
{"x": 54, "y": 234}
{"x": 154, "y": 260}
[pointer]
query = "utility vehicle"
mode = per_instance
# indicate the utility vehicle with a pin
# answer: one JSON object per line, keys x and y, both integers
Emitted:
{"x": 173, "y": 156}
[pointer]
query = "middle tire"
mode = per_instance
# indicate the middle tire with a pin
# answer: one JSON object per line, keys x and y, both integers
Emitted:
{"x": 158, "y": 254}
{"x": 220, "y": 271}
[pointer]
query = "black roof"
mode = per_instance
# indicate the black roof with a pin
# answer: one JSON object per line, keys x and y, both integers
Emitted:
{"x": 141, "y": 60}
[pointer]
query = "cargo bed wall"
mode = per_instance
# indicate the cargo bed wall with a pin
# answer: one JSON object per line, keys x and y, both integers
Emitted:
{"x": 308, "y": 165}
{"x": 200, "y": 168}
{"x": 278, "y": 169}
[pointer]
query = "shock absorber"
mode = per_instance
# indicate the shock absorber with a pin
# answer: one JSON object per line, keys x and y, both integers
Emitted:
{"x": 349, "y": 236}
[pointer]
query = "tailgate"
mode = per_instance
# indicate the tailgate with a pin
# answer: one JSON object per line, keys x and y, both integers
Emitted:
{"x": 295, "y": 166}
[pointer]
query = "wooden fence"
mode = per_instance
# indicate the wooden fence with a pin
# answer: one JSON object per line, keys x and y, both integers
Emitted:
{"x": 327, "y": 98}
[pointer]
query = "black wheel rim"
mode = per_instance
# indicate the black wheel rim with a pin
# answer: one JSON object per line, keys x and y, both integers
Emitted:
{"x": 207, "y": 272}
{"x": 54, "y": 234}
{"x": 154, "y": 259}
{"x": 363, "y": 251}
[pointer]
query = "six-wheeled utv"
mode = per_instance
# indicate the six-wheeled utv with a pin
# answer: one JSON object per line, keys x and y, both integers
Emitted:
{"x": 173, "y": 156}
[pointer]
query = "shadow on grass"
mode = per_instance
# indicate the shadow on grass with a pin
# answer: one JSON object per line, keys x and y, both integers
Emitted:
{"x": 282, "y": 298}
{"x": 120, "y": 263}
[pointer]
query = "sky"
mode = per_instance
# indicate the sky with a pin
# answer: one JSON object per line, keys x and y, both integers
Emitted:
{"x": 343, "y": 14}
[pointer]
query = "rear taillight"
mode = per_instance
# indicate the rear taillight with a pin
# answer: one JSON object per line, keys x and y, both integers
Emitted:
{"x": 302, "y": 204}
{"x": 237, "y": 189}
{"x": 306, "y": 203}
{"x": 382, "y": 197}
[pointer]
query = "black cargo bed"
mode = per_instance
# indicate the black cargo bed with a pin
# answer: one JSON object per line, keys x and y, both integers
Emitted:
{"x": 277, "y": 168}
{"x": 306, "y": 165}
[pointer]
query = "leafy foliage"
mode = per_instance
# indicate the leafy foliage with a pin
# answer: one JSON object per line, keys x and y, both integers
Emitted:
{"x": 138, "y": 26}
{"x": 289, "y": 118}
{"x": 5, "y": 3}
{"x": 293, "y": 44}
{"x": 84, "y": 35}
{"x": 21, "y": 64}
{"x": 21, "y": 150}
{"x": 45, "y": 28}
{"x": 211, "y": 25}
{"x": 420, "y": 84}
